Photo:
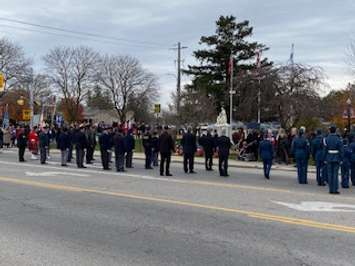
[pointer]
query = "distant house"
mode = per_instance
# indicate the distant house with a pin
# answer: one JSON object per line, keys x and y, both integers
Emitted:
{"x": 101, "y": 115}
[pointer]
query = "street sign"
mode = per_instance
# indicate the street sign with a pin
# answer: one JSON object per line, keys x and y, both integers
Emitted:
{"x": 26, "y": 114}
{"x": 2, "y": 82}
{"x": 157, "y": 108}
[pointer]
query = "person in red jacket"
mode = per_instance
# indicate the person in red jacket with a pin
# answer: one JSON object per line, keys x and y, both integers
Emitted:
{"x": 33, "y": 142}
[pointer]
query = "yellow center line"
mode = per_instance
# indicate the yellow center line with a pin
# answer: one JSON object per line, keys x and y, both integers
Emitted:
{"x": 251, "y": 214}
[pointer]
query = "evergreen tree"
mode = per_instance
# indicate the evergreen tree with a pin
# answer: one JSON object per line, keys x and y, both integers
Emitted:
{"x": 231, "y": 38}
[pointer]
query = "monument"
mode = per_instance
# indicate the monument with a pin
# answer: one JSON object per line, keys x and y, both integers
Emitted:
{"x": 222, "y": 123}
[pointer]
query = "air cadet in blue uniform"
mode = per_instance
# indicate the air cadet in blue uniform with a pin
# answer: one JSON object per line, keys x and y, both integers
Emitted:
{"x": 317, "y": 150}
{"x": 352, "y": 161}
{"x": 266, "y": 154}
{"x": 300, "y": 149}
{"x": 333, "y": 148}
{"x": 345, "y": 167}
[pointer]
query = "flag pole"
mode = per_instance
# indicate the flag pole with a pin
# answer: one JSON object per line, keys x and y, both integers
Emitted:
{"x": 231, "y": 91}
{"x": 258, "y": 64}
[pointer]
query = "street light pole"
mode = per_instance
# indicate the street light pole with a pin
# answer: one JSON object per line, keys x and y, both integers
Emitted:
{"x": 349, "y": 113}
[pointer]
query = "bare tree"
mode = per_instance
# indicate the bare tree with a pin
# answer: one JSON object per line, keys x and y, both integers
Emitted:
{"x": 13, "y": 63}
{"x": 297, "y": 90}
{"x": 72, "y": 71}
{"x": 126, "y": 80}
{"x": 350, "y": 56}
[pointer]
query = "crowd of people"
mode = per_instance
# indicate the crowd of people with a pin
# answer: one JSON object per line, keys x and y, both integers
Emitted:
{"x": 330, "y": 151}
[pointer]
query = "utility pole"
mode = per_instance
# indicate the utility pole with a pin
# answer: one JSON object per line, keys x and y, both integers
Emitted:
{"x": 178, "y": 85}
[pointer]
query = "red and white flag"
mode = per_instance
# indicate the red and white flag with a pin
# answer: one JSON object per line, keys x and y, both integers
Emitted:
{"x": 258, "y": 58}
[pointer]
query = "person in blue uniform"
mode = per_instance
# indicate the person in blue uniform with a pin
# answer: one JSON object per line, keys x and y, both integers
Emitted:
{"x": 317, "y": 151}
{"x": 266, "y": 154}
{"x": 333, "y": 149}
{"x": 301, "y": 149}
{"x": 352, "y": 161}
{"x": 345, "y": 166}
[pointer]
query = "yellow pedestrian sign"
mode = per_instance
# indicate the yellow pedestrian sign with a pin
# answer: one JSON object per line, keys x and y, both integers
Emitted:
{"x": 26, "y": 114}
{"x": 157, "y": 108}
{"x": 2, "y": 82}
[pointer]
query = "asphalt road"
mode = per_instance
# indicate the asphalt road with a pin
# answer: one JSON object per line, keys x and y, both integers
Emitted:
{"x": 51, "y": 215}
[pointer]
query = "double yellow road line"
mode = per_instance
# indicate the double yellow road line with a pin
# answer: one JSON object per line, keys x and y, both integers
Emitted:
{"x": 251, "y": 214}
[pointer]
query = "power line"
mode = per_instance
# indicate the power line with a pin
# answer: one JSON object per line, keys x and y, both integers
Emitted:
{"x": 70, "y": 36}
{"x": 82, "y": 33}
{"x": 178, "y": 85}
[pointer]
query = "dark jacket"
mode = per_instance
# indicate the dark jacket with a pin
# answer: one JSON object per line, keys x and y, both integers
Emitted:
{"x": 22, "y": 140}
{"x": 63, "y": 141}
{"x": 147, "y": 141}
{"x": 188, "y": 143}
{"x": 105, "y": 141}
{"x": 80, "y": 140}
{"x": 43, "y": 140}
{"x": 155, "y": 144}
{"x": 223, "y": 144}
{"x": 266, "y": 150}
{"x": 208, "y": 143}
{"x": 166, "y": 143}
{"x": 119, "y": 143}
{"x": 129, "y": 143}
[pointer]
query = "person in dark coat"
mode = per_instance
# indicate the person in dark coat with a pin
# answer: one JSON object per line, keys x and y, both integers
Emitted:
{"x": 155, "y": 149}
{"x": 43, "y": 144}
{"x": 166, "y": 148}
{"x": 21, "y": 144}
{"x": 266, "y": 152}
{"x": 189, "y": 147}
{"x": 80, "y": 146}
{"x": 346, "y": 165}
{"x": 63, "y": 144}
{"x": 223, "y": 144}
{"x": 317, "y": 151}
{"x": 90, "y": 133}
{"x": 71, "y": 133}
{"x": 333, "y": 149}
{"x": 119, "y": 144}
{"x": 301, "y": 151}
{"x": 352, "y": 160}
{"x": 208, "y": 144}
{"x": 105, "y": 142}
{"x": 148, "y": 148}
{"x": 130, "y": 146}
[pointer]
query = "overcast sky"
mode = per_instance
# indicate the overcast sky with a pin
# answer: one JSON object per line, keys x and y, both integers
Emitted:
{"x": 320, "y": 29}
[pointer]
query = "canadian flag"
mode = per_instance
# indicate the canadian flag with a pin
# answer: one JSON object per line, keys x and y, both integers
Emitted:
{"x": 258, "y": 58}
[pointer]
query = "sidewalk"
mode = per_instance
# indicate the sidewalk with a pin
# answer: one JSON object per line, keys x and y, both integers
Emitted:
{"x": 201, "y": 161}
